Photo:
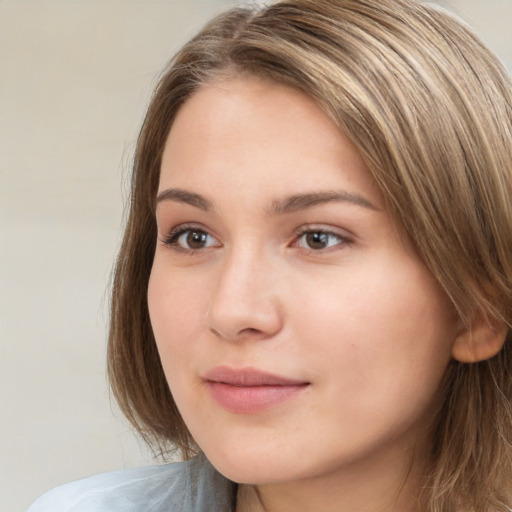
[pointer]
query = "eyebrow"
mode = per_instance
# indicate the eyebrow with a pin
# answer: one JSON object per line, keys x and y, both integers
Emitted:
{"x": 179, "y": 195}
{"x": 289, "y": 204}
{"x": 303, "y": 201}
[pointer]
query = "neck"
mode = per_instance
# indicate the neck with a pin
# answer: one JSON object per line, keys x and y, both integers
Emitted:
{"x": 383, "y": 485}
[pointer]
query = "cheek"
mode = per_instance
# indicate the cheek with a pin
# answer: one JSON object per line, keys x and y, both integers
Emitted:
{"x": 385, "y": 332}
{"x": 177, "y": 314}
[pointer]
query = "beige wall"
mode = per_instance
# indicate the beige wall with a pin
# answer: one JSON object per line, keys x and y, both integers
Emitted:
{"x": 74, "y": 80}
{"x": 491, "y": 19}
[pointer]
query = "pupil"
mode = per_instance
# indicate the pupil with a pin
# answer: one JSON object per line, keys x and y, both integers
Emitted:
{"x": 196, "y": 239}
{"x": 317, "y": 240}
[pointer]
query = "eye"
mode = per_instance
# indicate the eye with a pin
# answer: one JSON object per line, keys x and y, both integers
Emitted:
{"x": 190, "y": 239}
{"x": 318, "y": 240}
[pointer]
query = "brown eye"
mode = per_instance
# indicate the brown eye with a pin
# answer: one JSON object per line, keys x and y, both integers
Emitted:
{"x": 196, "y": 239}
{"x": 188, "y": 239}
{"x": 319, "y": 240}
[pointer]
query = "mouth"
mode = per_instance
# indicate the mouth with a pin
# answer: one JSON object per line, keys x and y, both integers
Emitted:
{"x": 249, "y": 391}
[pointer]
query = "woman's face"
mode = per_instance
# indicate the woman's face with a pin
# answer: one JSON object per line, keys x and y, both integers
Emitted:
{"x": 299, "y": 332}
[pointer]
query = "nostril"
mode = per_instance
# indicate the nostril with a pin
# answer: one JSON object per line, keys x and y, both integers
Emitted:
{"x": 250, "y": 331}
{"x": 234, "y": 314}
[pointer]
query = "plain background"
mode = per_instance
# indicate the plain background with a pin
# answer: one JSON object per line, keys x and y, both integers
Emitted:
{"x": 75, "y": 78}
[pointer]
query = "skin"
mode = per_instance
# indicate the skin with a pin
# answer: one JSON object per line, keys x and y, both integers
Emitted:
{"x": 360, "y": 319}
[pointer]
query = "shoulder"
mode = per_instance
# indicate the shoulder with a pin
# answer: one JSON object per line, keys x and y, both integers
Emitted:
{"x": 188, "y": 486}
{"x": 114, "y": 491}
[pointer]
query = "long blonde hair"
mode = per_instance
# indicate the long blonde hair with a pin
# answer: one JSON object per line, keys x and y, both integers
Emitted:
{"x": 430, "y": 109}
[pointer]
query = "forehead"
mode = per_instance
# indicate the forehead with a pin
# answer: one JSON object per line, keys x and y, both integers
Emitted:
{"x": 252, "y": 135}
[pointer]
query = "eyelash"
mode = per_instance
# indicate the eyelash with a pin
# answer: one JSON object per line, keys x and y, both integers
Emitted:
{"x": 172, "y": 240}
{"x": 173, "y": 237}
{"x": 342, "y": 240}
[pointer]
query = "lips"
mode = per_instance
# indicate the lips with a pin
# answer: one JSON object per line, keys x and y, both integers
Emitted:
{"x": 249, "y": 390}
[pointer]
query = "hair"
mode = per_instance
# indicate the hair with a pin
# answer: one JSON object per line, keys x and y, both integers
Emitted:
{"x": 429, "y": 108}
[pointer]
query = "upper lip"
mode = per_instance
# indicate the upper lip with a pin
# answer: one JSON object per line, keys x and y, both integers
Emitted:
{"x": 249, "y": 377}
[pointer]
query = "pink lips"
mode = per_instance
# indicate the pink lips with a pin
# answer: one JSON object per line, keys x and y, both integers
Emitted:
{"x": 248, "y": 390}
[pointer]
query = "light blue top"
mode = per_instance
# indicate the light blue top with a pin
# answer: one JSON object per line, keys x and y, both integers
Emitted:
{"x": 191, "y": 486}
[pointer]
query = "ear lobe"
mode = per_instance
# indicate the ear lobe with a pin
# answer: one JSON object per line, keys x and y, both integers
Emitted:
{"x": 480, "y": 341}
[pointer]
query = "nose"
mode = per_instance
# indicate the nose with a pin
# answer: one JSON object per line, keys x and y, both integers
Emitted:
{"x": 245, "y": 303}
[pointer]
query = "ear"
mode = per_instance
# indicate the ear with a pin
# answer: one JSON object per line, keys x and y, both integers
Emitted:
{"x": 482, "y": 340}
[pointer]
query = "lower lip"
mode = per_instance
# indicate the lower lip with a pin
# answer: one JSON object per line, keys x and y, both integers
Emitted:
{"x": 252, "y": 399}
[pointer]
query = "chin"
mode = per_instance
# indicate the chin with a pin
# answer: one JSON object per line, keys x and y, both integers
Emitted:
{"x": 251, "y": 465}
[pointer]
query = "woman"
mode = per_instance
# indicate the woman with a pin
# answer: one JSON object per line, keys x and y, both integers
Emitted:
{"x": 312, "y": 301}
